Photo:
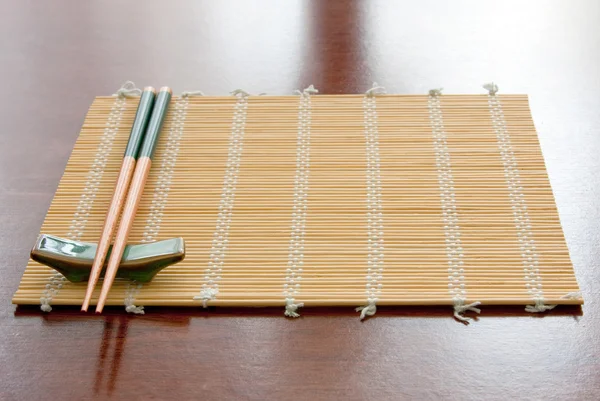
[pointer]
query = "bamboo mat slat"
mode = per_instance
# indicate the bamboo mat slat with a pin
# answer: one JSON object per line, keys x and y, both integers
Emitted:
{"x": 325, "y": 200}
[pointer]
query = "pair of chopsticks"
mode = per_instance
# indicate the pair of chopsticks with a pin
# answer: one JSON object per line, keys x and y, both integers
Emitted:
{"x": 137, "y": 161}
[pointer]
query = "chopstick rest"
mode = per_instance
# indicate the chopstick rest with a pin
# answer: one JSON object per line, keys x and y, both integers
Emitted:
{"x": 74, "y": 259}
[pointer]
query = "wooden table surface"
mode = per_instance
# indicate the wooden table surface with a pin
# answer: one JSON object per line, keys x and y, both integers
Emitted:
{"x": 56, "y": 56}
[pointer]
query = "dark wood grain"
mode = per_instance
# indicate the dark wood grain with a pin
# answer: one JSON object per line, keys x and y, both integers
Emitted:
{"x": 56, "y": 56}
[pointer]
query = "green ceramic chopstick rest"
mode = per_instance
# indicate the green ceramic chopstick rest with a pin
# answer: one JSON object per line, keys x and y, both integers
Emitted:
{"x": 74, "y": 259}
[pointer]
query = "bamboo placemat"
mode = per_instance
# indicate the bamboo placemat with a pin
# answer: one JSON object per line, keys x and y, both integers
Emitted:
{"x": 322, "y": 200}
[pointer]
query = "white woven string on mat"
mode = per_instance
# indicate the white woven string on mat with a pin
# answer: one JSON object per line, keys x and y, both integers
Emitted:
{"x": 374, "y": 209}
{"x": 529, "y": 255}
{"x": 133, "y": 288}
{"x": 241, "y": 92}
{"x": 296, "y": 254}
{"x": 454, "y": 250}
{"x": 212, "y": 276}
{"x": 86, "y": 201}
{"x": 192, "y": 93}
{"x": 161, "y": 191}
{"x": 128, "y": 89}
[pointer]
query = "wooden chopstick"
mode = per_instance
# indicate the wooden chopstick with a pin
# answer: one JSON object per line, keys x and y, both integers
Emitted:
{"x": 136, "y": 190}
{"x": 142, "y": 117}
